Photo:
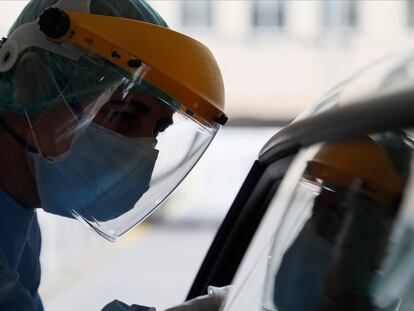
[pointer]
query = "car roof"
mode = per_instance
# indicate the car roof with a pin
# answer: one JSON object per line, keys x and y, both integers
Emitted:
{"x": 364, "y": 116}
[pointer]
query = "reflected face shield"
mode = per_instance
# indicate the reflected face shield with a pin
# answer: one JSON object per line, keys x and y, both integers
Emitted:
{"x": 338, "y": 227}
{"x": 109, "y": 140}
{"x": 332, "y": 262}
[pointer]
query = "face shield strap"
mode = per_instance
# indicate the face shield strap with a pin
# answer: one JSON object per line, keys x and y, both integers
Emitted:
{"x": 18, "y": 138}
{"x": 29, "y": 35}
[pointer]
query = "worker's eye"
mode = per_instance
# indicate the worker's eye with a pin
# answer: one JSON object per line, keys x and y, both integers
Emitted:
{"x": 114, "y": 113}
{"x": 123, "y": 116}
{"x": 120, "y": 121}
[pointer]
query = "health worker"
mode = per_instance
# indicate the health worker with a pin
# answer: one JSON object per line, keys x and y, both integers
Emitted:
{"x": 103, "y": 112}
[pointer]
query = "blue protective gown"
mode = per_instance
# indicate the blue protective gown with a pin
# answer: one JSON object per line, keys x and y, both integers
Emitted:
{"x": 19, "y": 256}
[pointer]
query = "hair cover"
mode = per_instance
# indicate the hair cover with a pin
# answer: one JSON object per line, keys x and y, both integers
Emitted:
{"x": 40, "y": 78}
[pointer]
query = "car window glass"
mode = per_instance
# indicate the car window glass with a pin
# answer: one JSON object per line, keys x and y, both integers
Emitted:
{"x": 332, "y": 223}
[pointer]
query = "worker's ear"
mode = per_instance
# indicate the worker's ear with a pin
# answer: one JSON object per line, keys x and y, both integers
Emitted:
{"x": 32, "y": 81}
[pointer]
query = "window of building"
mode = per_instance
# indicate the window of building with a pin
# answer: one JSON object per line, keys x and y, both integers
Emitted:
{"x": 268, "y": 14}
{"x": 197, "y": 13}
{"x": 339, "y": 14}
{"x": 410, "y": 13}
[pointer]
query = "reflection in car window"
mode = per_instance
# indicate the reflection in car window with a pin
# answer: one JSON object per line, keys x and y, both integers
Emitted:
{"x": 341, "y": 242}
{"x": 335, "y": 259}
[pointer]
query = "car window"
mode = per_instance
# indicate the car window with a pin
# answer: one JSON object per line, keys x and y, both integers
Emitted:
{"x": 248, "y": 286}
{"x": 324, "y": 242}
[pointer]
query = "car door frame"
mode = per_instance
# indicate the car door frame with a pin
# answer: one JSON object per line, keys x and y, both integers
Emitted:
{"x": 350, "y": 120}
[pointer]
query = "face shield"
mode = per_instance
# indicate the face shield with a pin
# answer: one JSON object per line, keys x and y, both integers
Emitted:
{"x": 341, "y": 244}
{"x": 113, "y": 130}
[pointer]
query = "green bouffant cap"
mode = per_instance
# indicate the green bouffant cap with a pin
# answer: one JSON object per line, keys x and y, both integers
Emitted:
{"x": 42, "y": 80}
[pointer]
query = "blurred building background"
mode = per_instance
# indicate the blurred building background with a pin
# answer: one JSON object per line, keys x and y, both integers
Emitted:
{"x": 277, "y": 57}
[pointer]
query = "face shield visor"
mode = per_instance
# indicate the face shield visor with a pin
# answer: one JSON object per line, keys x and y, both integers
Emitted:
{"x": 336, "y": 240}
{"x": 112, "y": 133}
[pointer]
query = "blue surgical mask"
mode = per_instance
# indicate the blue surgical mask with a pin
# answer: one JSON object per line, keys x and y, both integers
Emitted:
{"x": 100, "y": 178}
{"x": 300, "y": 280}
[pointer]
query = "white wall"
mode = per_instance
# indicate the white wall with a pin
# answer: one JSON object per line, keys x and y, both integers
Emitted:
{"x": 9, "y": 10}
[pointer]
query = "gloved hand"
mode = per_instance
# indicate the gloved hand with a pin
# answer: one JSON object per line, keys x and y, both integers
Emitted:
{"x": 117, "y": 305}
{"x": 210, "y": 302}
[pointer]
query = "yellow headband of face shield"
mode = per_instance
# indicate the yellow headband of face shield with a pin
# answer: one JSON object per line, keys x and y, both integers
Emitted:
{"x": 363, "y": 160}
{"x": 181, "y": 67}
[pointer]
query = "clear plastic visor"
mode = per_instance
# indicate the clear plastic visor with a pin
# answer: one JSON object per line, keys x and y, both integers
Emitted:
{"x": 104, "y": 147}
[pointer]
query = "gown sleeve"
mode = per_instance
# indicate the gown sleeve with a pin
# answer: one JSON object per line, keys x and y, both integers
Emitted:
{"x": 13, "y": 296}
